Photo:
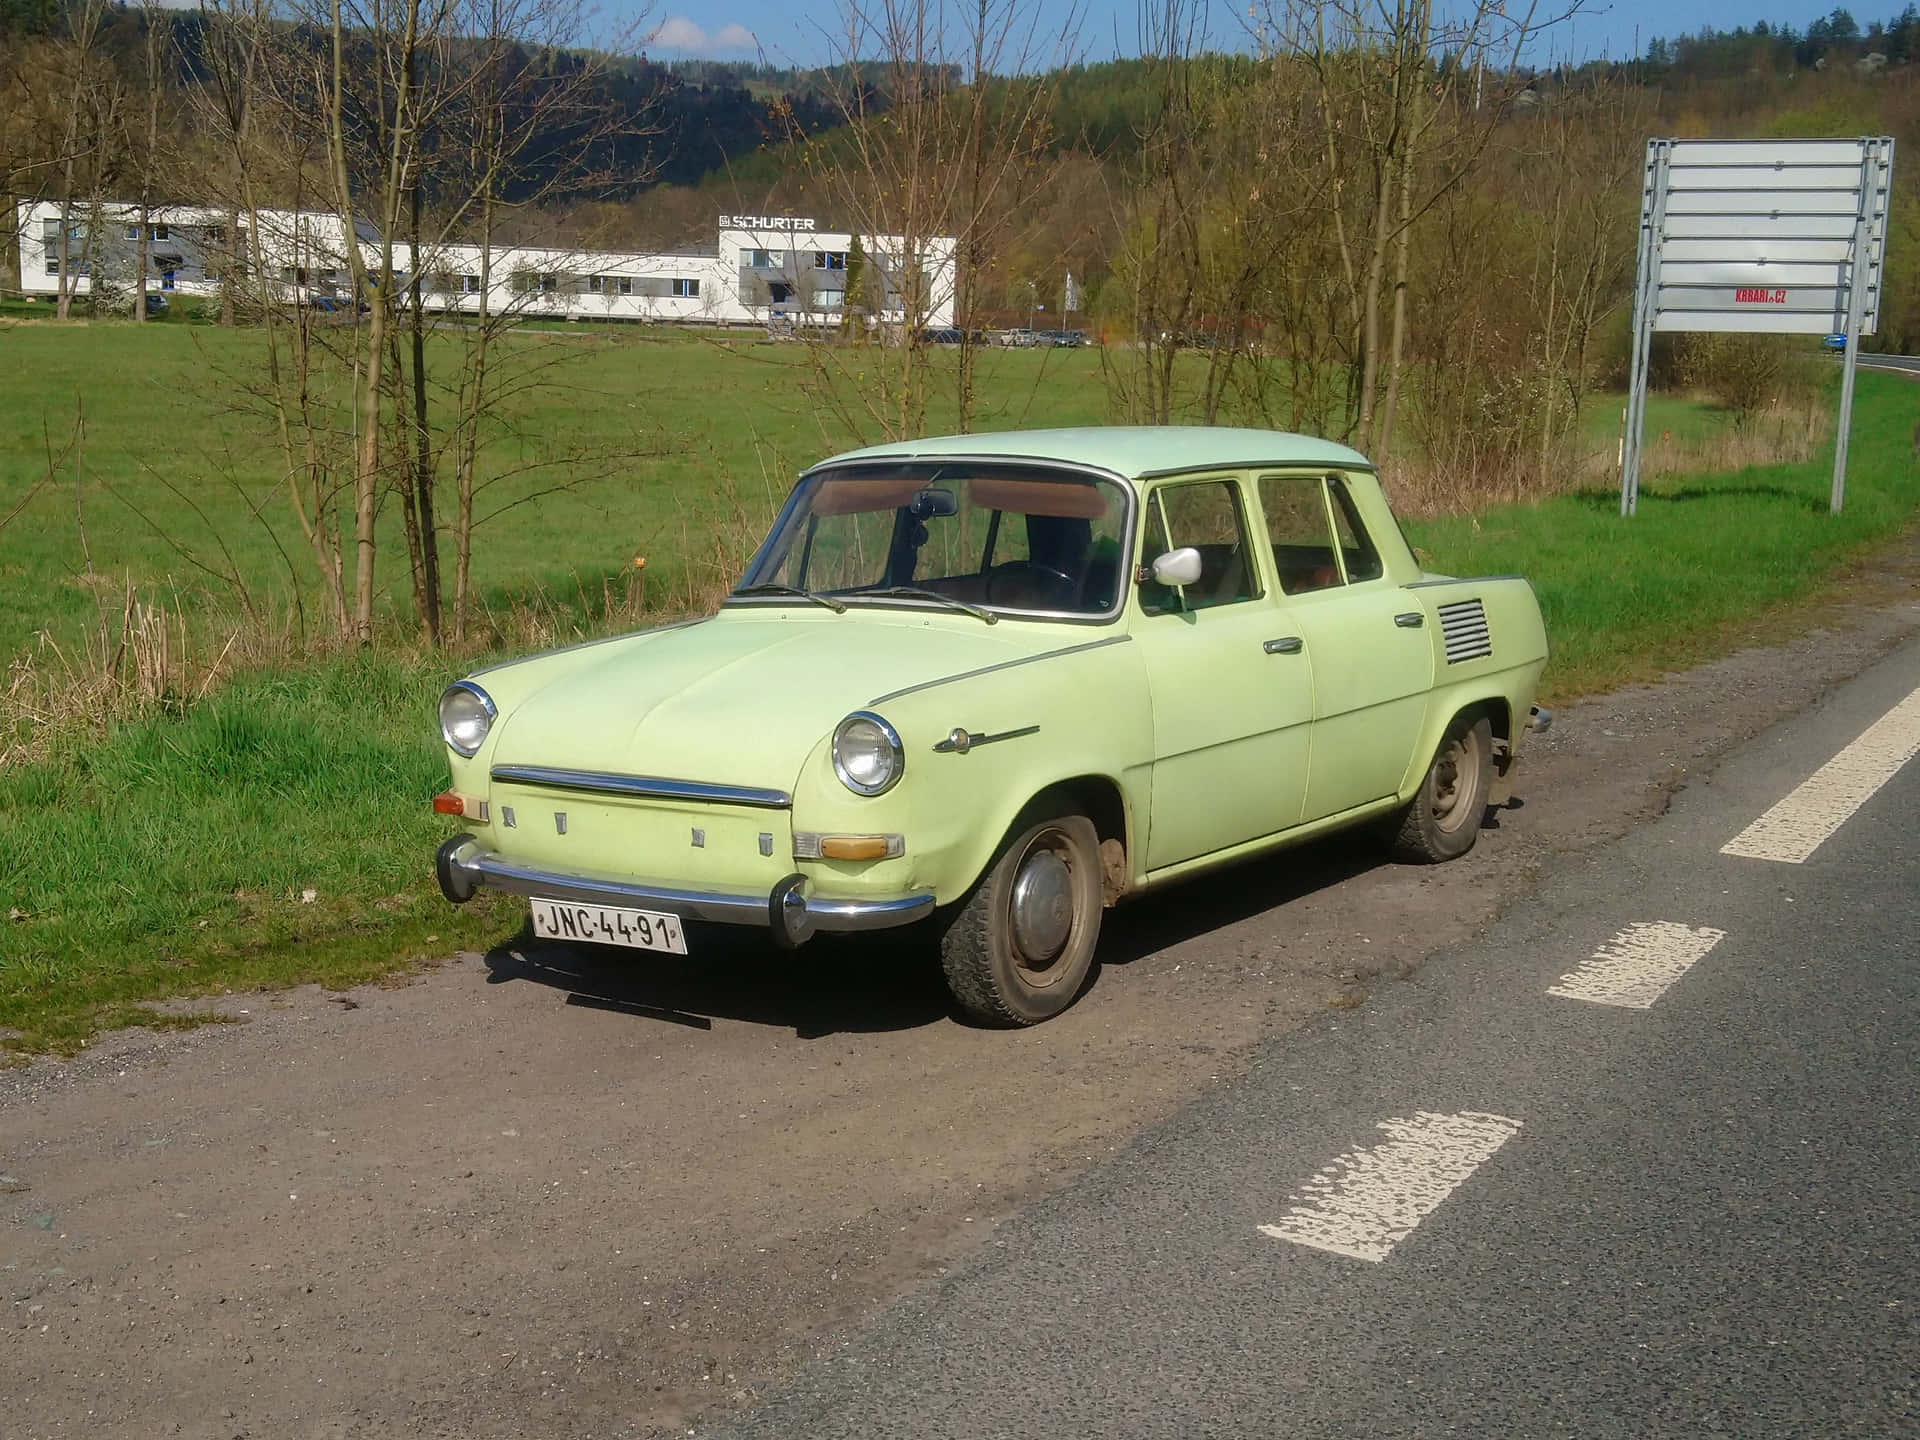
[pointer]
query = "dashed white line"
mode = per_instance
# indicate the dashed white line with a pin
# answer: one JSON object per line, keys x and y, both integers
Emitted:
{"x": 1635, "y": 967}
{"x": 1369, "y": 1199}
{"x": 1796, "y": 827}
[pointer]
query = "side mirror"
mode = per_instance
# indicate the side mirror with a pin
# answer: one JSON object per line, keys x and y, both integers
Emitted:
{"x": 1177, "y": 567}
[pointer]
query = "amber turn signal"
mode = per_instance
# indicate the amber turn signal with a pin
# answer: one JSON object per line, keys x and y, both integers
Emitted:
{"x": 854, "y": 847}
{"x": 452, "y": 802}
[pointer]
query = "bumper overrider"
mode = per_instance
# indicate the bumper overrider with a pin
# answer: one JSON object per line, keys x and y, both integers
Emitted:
{"x": 465, "y": 867}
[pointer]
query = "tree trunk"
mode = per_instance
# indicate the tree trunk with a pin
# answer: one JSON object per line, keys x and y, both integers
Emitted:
{"x": 1383, "y": 441}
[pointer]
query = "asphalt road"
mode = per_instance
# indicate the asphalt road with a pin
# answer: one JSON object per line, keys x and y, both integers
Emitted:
{"x": 1695, "y": 1218}
{"x": 1906, "y": 364}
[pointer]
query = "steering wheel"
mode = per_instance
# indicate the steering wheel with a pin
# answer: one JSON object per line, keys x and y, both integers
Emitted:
{"x": 1068, "y": 586}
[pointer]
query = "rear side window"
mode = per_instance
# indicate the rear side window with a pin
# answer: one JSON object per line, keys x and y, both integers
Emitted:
{"x": 1205, "y": 515}
{"x": 1362, "y": 558}
{"x": 1295, "y": 509}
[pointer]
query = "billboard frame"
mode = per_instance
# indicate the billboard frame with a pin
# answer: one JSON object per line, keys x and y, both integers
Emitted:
{"x": 1753, "y": 218}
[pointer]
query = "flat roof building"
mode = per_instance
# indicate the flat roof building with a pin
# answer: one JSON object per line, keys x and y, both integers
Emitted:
{"x": 775, "y": 270}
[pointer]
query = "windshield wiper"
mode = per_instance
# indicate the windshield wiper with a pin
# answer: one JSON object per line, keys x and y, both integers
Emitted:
{"x": 914, "y": 592}
{"x": 794, "y": 590}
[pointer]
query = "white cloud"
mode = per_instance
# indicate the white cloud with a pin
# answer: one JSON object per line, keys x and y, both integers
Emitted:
{"x": 679, "y": 33}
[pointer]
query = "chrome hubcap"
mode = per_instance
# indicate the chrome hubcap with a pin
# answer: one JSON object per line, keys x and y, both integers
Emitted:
{"x": 1449, "y": 793}
{"x": 1042, "y": 907}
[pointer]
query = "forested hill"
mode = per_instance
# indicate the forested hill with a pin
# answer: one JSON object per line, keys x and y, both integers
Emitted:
{"x": 686, "y": 122}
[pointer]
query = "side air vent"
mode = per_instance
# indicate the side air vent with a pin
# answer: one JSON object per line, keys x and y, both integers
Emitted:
{"x": 1463, "y": 629}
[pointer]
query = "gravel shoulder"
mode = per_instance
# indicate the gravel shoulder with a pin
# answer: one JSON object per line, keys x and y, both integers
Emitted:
{"x": 532, "y": 1191}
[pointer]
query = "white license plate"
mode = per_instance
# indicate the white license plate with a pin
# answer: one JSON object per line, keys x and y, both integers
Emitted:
{"x": 605, "y": 925}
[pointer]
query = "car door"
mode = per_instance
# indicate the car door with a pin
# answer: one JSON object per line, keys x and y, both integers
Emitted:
{"x": 1372, "y": 659}
{"x": 1231, "y": 688}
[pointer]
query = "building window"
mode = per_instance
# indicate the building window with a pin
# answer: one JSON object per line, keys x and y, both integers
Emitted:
{"x": 829, "y": 299}
{"x": 597, "y": 284}
{"x": 626, "y": 284}
{"x": 166, "y": 279}
{"x": 687, "y": 289}
{"x": 470, "y": 284}
{"x": 133, "y": 232}
{"x": 53, "y": 262}
{"x": 216, "y": 234}
{"x": 549, "y": 284}
{"x": 758, "y": 259}
{"x": 523, "y": 282}
{"x": 830, "y": 260}
{"x": 158, "y": 232}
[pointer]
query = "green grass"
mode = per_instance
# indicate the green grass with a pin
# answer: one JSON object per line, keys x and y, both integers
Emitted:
{"x": 177, "y": 858}
{"x": 1629, "y": 599}
{"x": 171, "y": 856}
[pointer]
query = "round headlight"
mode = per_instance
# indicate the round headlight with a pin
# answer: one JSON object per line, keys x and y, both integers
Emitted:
{"x": 466, "y": 714}
{"x": 866, "y": 754}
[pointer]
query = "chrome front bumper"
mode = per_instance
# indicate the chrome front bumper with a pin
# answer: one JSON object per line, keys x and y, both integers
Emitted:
{"x": 792, "y": 916}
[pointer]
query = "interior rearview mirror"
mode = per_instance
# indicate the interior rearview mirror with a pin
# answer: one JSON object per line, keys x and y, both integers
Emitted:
{"x": 1177, "y": 567}
{"x": 929, "y": 503}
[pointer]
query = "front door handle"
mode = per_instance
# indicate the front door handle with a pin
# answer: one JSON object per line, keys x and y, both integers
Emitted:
{"x": 1285, "y": 645}
{"x": 1410, "y": 620}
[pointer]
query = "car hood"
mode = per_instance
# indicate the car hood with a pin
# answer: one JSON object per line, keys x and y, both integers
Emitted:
{"x": 742, "y": 700}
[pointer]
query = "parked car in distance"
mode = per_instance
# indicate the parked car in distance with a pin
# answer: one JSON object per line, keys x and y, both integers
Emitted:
{"x": 998, "y": 684}
{"x": 1019, "y": 338}
{"x": 948, "y": 336}
{"x": 1833, "y": 342}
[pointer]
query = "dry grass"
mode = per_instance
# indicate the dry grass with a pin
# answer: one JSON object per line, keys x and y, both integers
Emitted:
{"x": 154, "y": 650}
{"x": 1784, "y": 434}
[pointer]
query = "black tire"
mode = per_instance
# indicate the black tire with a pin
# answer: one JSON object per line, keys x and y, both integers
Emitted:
{"x": 1009, "y": 972}
{"x": 1444, "y": 819}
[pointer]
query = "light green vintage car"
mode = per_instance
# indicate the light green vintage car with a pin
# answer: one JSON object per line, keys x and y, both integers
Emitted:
{"x": 999, "y": 683}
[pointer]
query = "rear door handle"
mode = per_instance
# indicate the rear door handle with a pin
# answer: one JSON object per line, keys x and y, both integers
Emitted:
{"x": 1410, "y": 620}
{"x": 1285, "y": 645}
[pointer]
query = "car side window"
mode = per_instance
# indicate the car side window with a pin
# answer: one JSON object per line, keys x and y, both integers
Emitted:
{"x": 1362, "y": 559}
{"x": 1205, "y": 515}
{"x": 1297, "y": 527}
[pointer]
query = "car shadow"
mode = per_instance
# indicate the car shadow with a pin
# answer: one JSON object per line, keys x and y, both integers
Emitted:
{"x": 891, "y": 980}
{"x": 856, "y": 984}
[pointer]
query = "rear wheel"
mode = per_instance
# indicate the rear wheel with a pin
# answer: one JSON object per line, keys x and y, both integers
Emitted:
{"x": 1017, "y": 951}
{"x": 1444, "y": 819}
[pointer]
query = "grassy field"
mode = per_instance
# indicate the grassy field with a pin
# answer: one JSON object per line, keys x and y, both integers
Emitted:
{"x": 175, "y": 461}
{"x": 277, "y": 830}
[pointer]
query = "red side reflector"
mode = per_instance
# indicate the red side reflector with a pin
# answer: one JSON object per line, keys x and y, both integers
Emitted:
{"x": 448, "y": 803}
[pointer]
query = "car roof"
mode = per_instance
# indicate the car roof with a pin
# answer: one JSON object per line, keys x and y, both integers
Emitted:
{"x": 1132, "y": 451}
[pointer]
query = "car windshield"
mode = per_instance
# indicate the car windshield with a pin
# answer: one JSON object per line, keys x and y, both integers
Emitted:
{"x": 1007, "y": 539}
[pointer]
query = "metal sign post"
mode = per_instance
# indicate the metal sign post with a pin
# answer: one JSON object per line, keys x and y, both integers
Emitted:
{"x": 1784, "y": 237}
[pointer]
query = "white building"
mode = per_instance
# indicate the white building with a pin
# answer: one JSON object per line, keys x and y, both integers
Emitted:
{"x": 764, "y": 270}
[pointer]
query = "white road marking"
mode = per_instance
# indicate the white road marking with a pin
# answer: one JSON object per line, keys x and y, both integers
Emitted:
{"x": 1369, "y": 1200}
{"x": 1797, "y": 826}
{"x": 1635, "y": 968}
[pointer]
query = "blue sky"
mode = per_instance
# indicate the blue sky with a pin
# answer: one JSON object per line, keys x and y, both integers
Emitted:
{"x": 789, "y": 32}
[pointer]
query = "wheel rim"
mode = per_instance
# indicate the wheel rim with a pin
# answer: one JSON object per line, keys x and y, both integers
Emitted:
{"x": 1040, "y": 908}
{"x": 1453, "y": 783}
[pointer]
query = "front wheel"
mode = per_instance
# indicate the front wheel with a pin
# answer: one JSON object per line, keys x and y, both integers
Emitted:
{"x": 1444, "y": 819}
{"x": 1019, "y": 948}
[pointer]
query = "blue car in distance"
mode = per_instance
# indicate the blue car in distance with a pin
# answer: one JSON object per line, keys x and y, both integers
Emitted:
{"x": 1834, "y": 342}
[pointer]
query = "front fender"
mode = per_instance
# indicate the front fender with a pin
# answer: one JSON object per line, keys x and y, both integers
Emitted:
{"x": 1029, "y": 727}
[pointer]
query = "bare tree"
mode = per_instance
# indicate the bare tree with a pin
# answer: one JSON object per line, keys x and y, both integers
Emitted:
{"x": 91, "y": 94}
{"x": 1405, "y": 110}
{"x": 946, "y": 147}
{"x": 156, "y": 29}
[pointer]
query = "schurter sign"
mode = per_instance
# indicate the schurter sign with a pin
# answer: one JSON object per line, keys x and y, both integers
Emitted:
{"x": 765, "y": 222}
{"x": 1769, "y": 237}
